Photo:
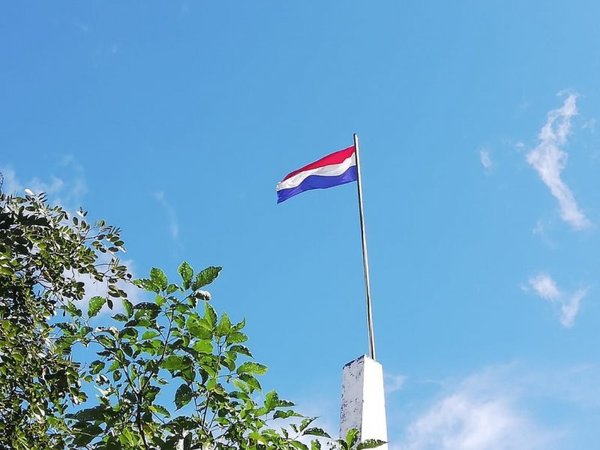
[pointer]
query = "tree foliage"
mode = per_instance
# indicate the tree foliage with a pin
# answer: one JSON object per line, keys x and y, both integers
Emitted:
{"x": 164, "y": 371}
{"x": 44, "y": 253}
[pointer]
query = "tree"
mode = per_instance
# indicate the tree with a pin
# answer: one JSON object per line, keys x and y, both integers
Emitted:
{"x": 43, "y": 254}
{"x": 170, "y": 371}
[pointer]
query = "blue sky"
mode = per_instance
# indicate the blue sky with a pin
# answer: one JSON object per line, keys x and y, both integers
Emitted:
{"x": 480, "y": 153}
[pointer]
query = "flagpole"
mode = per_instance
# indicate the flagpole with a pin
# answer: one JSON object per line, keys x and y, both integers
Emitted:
{"x": 365, "y": 255}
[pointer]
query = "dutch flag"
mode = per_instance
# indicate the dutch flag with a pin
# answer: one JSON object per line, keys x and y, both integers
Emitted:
{"x": 332, "y": 170}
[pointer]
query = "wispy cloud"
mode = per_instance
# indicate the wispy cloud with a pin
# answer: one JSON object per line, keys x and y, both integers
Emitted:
{"x": 500, "y": 407}
{"x": 68, "y": 189}
{"x": 170, "y": 212}
{"x": 393, "y": 383}
{"x": 568, "y": 304}
{"x": 82, "y": 26}
{"x": 549, "y": 160}
{"x": 570, "y": 307}
{"x": 485, "y": 159}
{"x": 544, "y": 286}
{"x": 590, "y": 125}
{"x": 542, "y": 230}
{"x": 481, "y": 413}
{"x": 11, "y": 183}
{"x": 463, "y": 421}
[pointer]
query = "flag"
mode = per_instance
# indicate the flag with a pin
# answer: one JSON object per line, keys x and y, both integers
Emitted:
{"x": 332, "y": 170}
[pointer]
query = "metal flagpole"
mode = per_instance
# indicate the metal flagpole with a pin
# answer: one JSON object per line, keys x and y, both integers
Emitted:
{"x": 365, "y": 256}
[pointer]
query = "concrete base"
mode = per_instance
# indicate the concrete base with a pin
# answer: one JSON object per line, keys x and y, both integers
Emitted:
{"x": 363, "y": 400}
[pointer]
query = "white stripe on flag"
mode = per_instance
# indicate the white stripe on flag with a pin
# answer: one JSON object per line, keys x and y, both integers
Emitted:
{"x": 331, "y": 170}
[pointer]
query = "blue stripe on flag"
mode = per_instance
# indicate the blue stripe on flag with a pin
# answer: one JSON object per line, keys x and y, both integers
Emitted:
{"x": 318, "y": 182}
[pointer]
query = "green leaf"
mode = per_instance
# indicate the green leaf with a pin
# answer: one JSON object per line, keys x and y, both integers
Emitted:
{"x": 128, "y": 307}
{"x": 370, "y": 443}
{"x": 271, "y": 400}
{"x": 160, "y": 410}
{"x": 160, "y": 300}
{"x": 114, "y": 366}
{"x": 224, "y": 325}
{"x": 352, "y": 437}
{"x": 188, "y": 373}
{"x": 299, "y": 445}
{"x": 236, "y": 337}
{"x": 146, "y": 284}
{"x": 158, "y": 278}
{"x": 285, "y": 403}
{"x": 281, "y": 414}
{"x": 172, "y": 288}
{"x": 250, "y": 381}
{"x": 183, "y": 396}
{"x": 149, "y": 334}
{"x": 120, "y": 317}
{"x": 199, "y": 328}
{"x": 315, "y": 431}
{"x": 89, "y": 414}
{"x": 86, "y": 433}
{"x": 306, "y": 422}
{"x": 252, "y": 368}
{"x": 210, "y": 314}
{"x": 95, "y": 305}
{"x": 240, "y": 325}
{"x": 128, "y": 333}
{"x": 147, "y": 306}
{"x": 228, "y": 360}
{"x": 203, "y": 346}
{"x": 72, "y": 310}
{"x": 186, "y": 272}
{"x": 241, "y": 349}
{"x": 241, "y": 387}
{"x": 205, "y": 277}
{"x": 173, "y": 362}
{"x": 96, "y": 367}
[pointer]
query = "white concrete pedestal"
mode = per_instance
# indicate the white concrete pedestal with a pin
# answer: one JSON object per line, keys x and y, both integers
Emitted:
{"x": 363, "y": 400}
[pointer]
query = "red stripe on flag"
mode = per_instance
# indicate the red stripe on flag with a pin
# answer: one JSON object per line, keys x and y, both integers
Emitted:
{"x": 334, "y": 158}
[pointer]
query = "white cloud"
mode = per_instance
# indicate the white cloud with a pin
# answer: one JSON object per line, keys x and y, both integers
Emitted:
{"x": 11, "y": 183}
{"x": 485, "y": 159}
{"x": 77, "y": 186}
{"x": 66, "y": 190}
{"x": 393, "y": 383}
{"x": 52, "y": 187}
{"x": 461, "y": 421}
{"x": 483, "y": 412}
{"x": 542, "y": 229}
{"x": 570, "y": 307}
{"x": 577, "y": 385}
{"x": 500, "y": 407}
{"x": 590, "y": 125}
{"x": 549, "y": 160}
{"x": 568, "y": 304}
{"x": 82, "y": 26}
{"x": 170, "y": 211}
{"x": 544, "y": 286}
